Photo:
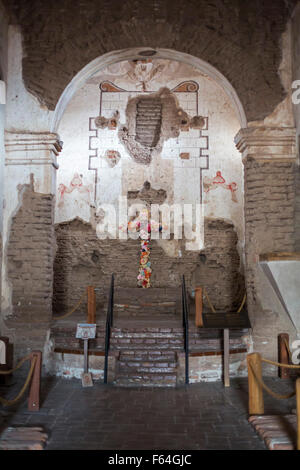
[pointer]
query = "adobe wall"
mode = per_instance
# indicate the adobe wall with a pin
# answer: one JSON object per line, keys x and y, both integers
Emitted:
{"x": 230, "y": 40}
{"x": 241, "y": 39}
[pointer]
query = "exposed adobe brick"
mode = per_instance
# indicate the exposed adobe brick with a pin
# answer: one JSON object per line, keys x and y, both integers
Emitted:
{"x": 30, "y": 256}
{"x": 74, "y": 268}
{"x": 269, "y": 228}
{"x": 241, "y": 39}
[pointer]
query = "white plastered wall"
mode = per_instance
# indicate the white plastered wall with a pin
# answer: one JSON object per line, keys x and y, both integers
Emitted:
{"x": 180, "y": 178}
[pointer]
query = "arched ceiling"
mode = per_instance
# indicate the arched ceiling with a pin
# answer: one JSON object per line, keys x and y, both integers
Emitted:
{"x": 241, "y": 39}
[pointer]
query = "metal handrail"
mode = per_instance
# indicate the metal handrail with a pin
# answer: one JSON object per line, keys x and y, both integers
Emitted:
{"x": 185, "y": 324}
{"x": 109, "y": 324}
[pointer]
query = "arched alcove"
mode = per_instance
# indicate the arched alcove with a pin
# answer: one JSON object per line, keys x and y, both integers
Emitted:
{"x": 194, "y": 162}
{"x": 139, "y": 53}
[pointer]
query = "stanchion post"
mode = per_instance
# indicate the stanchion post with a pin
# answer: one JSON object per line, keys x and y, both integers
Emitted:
{"x": 283, "y": 355}
{"x": 35, "y": 386}
{"x": 91, "y": 304}
{"x": 256, "y": 399}
{"x": 226, "y": 357}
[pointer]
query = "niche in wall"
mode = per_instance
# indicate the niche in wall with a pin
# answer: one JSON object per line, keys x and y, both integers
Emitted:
{"x": 150, "y": 121}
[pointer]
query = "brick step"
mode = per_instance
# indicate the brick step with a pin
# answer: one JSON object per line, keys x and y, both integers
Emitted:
{"x": 70, "y": 331}
{"x": 145, "y": 308}
{"x": 140, "y": 314}
{"x": 162, "y": 368}
{"x": 146, "y": 329}
{"x": 148, "y": 356}
{"x": 146, "y": 340}
{"x": 73, "y": 343}
{"x": 214, "y": 343}
{"x": 146, "y": 380}
{"x": 150, "y": 346}
{"x": 136, "y": 361}
{"x": 100, "y": 331}
{"x": 214, "y": 333}
{"x": 146, "y": 335}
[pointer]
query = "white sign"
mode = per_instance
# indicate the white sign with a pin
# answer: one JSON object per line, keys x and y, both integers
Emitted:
{"x": 86, "y": 331}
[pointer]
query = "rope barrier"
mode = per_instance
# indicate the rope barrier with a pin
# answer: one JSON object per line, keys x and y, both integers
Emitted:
{"x": 66, "y": 314}
{"x": 7, "y": 372}
{"x": 212, "y": 307}
{"x": 208, "y": 300}
{"x": 242, "y": 304}
{"x": 21, "y": 393}
{"x": 268, "y": 390}
{"x": 277, "y": 364}
{"x": 73, "y": 309}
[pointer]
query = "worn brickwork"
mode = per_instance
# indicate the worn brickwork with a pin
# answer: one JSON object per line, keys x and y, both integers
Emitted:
{"x": 148, "y": 121}
{"x": 269, "y": 222}
{"x": 241, "y": 39}
{"x": 30, "y": 255}
{"x": 218, "y": 266}
{"x": 82, "y": 259}
{"x": 269, "y": 210}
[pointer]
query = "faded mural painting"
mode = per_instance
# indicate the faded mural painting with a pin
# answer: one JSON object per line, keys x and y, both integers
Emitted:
{"x": 210, "y": 184}
{"x": 76, "y": 183}
{"x": 150, "y": 120}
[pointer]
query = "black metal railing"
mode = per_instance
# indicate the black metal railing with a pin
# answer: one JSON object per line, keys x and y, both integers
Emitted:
{"x": 185, "y": 324}
{"x": 109, "y": 324}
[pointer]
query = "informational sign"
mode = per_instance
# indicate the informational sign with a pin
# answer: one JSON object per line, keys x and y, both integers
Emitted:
{"x": 86, "y": 331}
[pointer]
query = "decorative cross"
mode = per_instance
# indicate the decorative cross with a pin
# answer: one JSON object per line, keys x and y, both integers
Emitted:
{"x": 144, "y": 226}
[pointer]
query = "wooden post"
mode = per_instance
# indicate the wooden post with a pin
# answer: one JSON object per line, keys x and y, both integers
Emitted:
{"x": 91, "y": 304}
{"x": 199, "y": 306}
{"x": 283, "y": 355}
{"x": 256, "y": 399}
{"x": 298, "y": 411}
{"x": 35, "y": 386}
{"x": 226, "y": 358}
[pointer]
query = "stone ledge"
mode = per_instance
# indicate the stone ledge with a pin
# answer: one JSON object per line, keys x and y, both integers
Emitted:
{"x": 267, "y": 143}
{"x": 31, "y": 148}
{"x": 284, "y": 256}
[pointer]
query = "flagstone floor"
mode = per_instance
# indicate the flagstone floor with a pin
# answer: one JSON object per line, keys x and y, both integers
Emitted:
{"x": 196, "y": 417}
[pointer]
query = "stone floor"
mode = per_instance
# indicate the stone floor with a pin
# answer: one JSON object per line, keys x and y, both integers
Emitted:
{"x": 196, "y": 417}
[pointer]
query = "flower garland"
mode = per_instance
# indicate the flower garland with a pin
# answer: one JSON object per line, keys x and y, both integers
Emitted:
{"x": 145, "y": 270}
{"x": 144, "y": 227}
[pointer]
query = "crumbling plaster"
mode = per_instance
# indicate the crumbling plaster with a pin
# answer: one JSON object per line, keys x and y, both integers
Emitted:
{"x": 241, "y": 39}
{"x": 180, "y": 178}
{"x": 38, "y": 117}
